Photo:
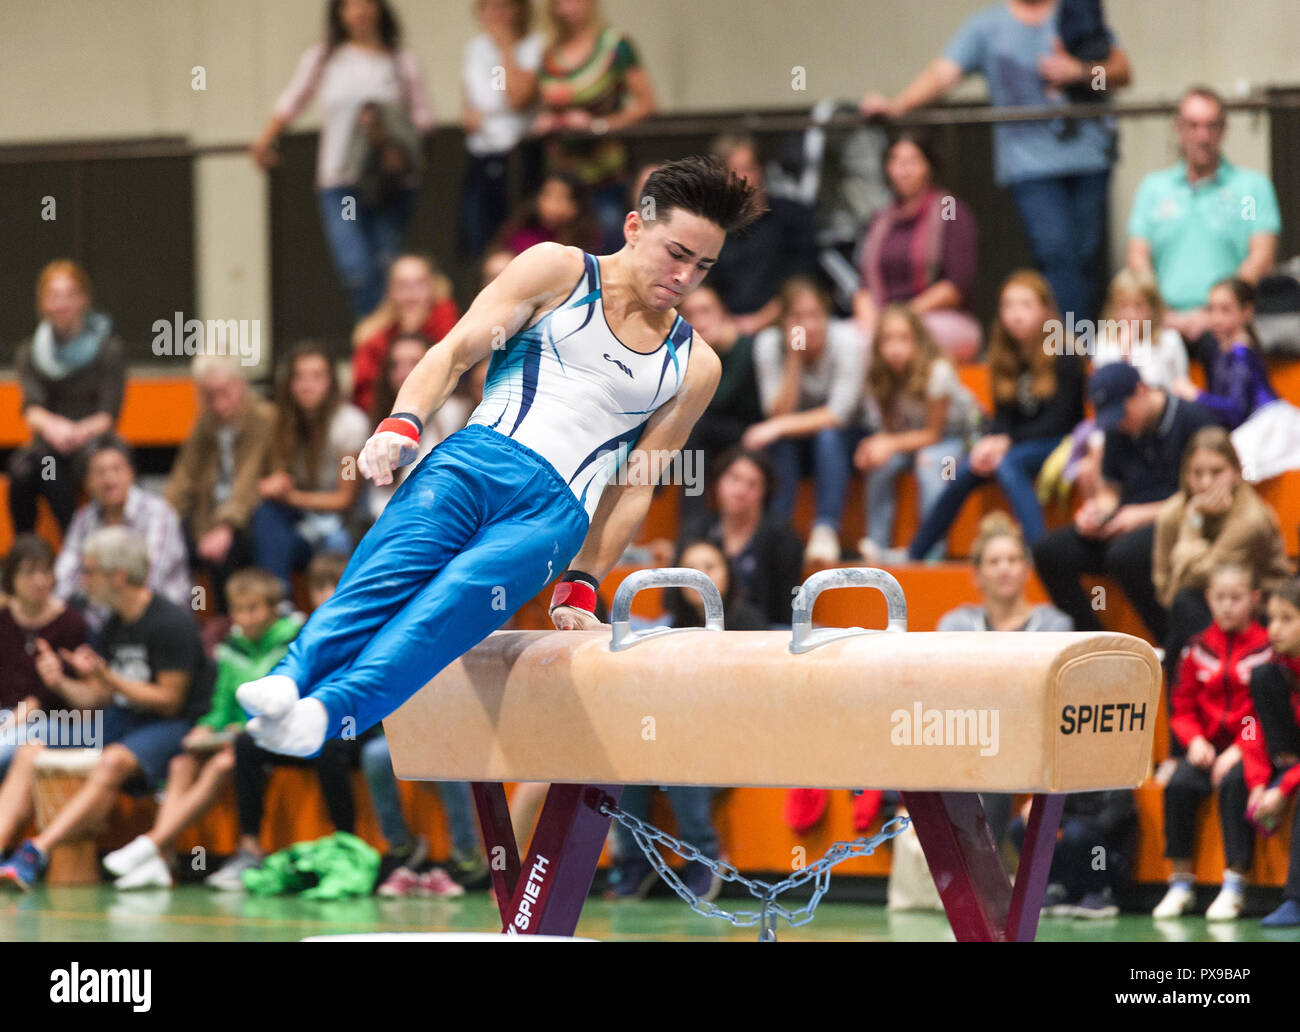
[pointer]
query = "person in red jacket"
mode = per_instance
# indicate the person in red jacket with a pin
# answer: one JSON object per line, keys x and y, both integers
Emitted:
{"x": 1212, "y": 713}
{"x": 1271, "y": 757}
{"x": 418, "y": 301}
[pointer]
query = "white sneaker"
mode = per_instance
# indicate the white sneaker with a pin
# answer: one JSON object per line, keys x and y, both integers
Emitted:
{"x": 1227, "y": 904}
{"x": 229, "y": 879}
{"x": 271, "y": 696}
{"x": 1178, "y": 900}
{"x": 152, "y": 874}
{"x": 138, "y": 851}
{"x": 872, "y": 554}
{"x": 823, "y": 545}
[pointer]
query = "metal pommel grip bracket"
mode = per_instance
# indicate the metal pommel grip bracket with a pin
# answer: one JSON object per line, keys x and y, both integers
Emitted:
{"x": 673, "y": 577}
{"x": 803, "y": 638}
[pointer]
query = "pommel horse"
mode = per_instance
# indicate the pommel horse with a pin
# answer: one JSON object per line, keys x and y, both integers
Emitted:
{"x": 940, "y": 716}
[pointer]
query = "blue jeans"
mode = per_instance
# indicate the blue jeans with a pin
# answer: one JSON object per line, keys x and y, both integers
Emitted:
{"x": 1015, "y": 474}
{"x": 828, "y": 455}
{"x": 928, "y": 464}
{"x": 364, "y": 247}
{"x": 457, "y": 801}
{"x": 692, "y": 808}
{"x": 1064, "y": 219}
{"x": 280, "y": 549}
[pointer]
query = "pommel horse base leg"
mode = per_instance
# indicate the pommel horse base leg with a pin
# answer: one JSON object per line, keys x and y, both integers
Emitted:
{"x": 977, "y": 895}
{"x": 544, "y": 895}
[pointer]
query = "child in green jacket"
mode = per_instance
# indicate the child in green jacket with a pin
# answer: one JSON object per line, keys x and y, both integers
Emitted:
{"x": 257, "y": 642}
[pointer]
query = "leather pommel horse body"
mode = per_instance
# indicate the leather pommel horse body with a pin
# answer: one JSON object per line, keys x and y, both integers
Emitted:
{"x": 940, "y": 716}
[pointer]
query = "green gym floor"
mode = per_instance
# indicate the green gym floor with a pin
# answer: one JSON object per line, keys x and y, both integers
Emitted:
{"x": 193, "y": 912}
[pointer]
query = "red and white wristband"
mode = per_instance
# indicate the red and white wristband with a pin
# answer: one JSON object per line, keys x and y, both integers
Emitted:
{"x": 405, "y": 423}
{"x": 576, "y": 589}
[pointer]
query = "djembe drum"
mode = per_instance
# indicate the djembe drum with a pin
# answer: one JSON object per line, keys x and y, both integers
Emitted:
{"x": 61, "y": 774}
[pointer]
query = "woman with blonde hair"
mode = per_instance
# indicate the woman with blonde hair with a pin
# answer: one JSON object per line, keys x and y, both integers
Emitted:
{"x": 1215, "y": 518}
{"x": 1037, "y": 399}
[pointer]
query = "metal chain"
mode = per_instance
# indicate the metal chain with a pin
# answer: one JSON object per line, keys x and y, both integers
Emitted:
{"x": 647, "y": 836}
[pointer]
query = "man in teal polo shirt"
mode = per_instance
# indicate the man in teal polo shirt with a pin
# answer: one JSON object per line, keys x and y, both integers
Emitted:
{"x": 1203, "y": 219}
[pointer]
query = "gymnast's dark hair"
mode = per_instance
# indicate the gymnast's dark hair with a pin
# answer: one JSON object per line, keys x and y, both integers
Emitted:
{"x": 704, "y": 186}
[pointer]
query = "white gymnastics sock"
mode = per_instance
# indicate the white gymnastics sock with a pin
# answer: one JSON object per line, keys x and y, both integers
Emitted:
{"x": 270, "y": 696}
{"x": 300, "y": 732}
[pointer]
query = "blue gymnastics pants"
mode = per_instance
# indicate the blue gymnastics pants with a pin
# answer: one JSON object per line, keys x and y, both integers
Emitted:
{"x": 477, "y": 529}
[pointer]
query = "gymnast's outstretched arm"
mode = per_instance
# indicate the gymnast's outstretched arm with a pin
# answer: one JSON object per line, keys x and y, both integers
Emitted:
{"x": 622, "y": 507}
{"x": 536, "y": 281}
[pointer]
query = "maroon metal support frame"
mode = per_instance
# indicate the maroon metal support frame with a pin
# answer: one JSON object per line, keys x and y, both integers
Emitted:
{"x": 977, "y": 895}
{"x": 544, "y": 894}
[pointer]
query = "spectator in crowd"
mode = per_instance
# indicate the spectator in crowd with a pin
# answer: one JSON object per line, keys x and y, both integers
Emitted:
{"x": 1213, "y": 519}
{"x": 1237, "y": 380}
{"x": 1002, "y": 570}
{"x": 408, "y": 853}
{"x": 559, "y": 211}
{"x": 591, "y": 81}
{"x": 258, "y": 640}
{"x": 418, "y": 301}
{"x": 214, "y": 484}
{"x": 920, "y": 251}
{"x": 1037, "y": 400}
{"x": 1090, "y": 821}
{"x": 333, "y": 766}
{"x": 1134, "y": 329}
{"x": 31, "y": 614}
{"x": 152, "y": 679}
{"x": 810, "y": 375}
{"x": 1147, "y": 433}
{"x": 1058, "y": 174}
{"x": 1203, "y": 219}
{"x": 763, "y": 552}
{"x": 72, "y": 376}
{"x": 1265, "y": 428}
{"x": 1212, "y": 714}
{"x": 310, "y": 496}
{"x": 632, "y": 875}
{"x": 778, "y": 246}
{"x": 499, "y": 86}
{"x": 375, "y": 110}
{"x": 115, "y": 500}
{"x": 921, "y": 414}
{"x": 1271, "y": 759}
{"x": 734, "y": 406}
{"x": 1131, "y": 330}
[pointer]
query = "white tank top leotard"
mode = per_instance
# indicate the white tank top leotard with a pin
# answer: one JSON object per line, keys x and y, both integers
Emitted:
{"x": 571, "y": 391}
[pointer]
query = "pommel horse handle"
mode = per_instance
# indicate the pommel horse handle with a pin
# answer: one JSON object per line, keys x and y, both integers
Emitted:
{"x": 803, "y": 638}
{"x": 672, "y": 577}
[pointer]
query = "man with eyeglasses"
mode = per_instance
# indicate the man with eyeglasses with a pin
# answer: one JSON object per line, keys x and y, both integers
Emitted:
{"x": 1203, "y": 219}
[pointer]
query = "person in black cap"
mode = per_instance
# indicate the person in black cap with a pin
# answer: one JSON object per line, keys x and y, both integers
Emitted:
{"x": 1147, "y": 430}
